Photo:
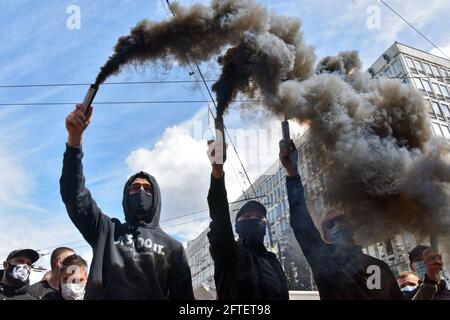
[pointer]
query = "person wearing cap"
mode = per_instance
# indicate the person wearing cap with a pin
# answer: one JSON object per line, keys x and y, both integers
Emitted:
{"x": 428, "y": 265}
{"x": 15, "y": 282}
{"x": 243, "y": 269}
{"x": 340, "y": 268}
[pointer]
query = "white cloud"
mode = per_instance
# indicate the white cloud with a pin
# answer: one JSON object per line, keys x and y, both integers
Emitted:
{"x": 445, "y": 49}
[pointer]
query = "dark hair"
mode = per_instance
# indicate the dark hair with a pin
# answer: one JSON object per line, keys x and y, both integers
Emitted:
{"x": 416, "y": 252}
{"x": 73, "y": 260}
{"x": 56, "y": 254}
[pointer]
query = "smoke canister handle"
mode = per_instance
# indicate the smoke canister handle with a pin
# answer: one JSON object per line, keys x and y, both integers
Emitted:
{"x": 285, "y": 131}
{"x": 220, "y": 136}
{"x": 90, "y": 95}
{"x": 434, "y": 243}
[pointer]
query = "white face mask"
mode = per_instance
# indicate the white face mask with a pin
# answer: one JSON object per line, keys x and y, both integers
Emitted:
{"x": 72, "y": 291}
{"x": 21, "y": 272}
{"x": 409, "y": 288}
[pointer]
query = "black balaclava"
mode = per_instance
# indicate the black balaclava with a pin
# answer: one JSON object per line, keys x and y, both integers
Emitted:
{"x": 251, "y": 230}
{"x": 142, "y": 207}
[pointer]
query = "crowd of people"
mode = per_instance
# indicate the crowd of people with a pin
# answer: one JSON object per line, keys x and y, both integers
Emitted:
{"x": 137, "y": 260}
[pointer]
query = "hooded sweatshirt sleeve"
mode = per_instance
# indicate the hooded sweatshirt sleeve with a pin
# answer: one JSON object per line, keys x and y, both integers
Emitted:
{"x": 180, "y": 281}
{"x": 221, "y": 237}
{"x": 82, "y": 209}
{"x": 302, "y": 224}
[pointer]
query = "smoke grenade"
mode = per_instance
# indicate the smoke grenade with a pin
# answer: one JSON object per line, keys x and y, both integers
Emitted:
{"x": 387, "y": 170}
{"x": 285, "y": 131}
{"x": 221, "y": 150}
{"x": 90, "y": 95}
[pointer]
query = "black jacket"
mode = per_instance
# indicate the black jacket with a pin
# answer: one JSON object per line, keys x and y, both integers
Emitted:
{"x": 132, "y": 260}
{"x": 340, "y": 272}
{"x": 9, "y": 293}
{"x": 241, "y": 270}
{"x": 443, "y": 292}
{"x": 429, "y": 290}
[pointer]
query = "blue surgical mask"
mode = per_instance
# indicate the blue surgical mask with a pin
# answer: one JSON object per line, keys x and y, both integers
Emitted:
{"x": 421, "y": 268}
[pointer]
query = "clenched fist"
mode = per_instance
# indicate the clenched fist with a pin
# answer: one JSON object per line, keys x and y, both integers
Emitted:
{"x": 76, "y": 123}
{"x": 289, "y": 157}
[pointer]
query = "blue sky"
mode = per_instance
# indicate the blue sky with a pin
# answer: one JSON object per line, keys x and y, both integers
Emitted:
{"x": 37, "y": 47}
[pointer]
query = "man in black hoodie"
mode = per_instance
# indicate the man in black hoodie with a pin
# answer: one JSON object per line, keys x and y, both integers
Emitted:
{"x": 340, "y": 268}
{"x": 243, "y": 269}
{"x": 132, "y": 260}
{"x": 15, "y": 281}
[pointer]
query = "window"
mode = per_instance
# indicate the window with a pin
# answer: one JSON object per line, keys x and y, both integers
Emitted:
{"x": 443, "y": 72}
{"x": 437, "y": 130}
{"x": 427, "y": 86}
{"x": 310, "y": 169}
{"x": 445, "y": 131}
{"x": 308, "y": 149}
{"x": 445, "y": 109}
{"x": 410, "y": 63}
{"x": 445, "y": 91}
{"x": 418, "y": 84}
{"x": 436, "y": 108}
{"x": 388, "y": 72}
{"x": 419, "y": 66}
{"x": 428, "y": 69}
{"x": 430, "y": 108}
{"x": 304, "y": 173}
{"x": 396, "y": 67}
{"x": 437, "y": 89}
{"x": 389, "y": 248}
{"x": 435, "y": 71}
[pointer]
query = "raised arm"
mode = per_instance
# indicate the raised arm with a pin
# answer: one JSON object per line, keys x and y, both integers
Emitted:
{"x": 221, "y": 236}
{"x": 302, "y": 224}
{"x": 82, "y": 209}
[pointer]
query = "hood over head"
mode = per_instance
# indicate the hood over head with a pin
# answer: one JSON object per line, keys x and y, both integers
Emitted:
{"x": 156, "y": 206}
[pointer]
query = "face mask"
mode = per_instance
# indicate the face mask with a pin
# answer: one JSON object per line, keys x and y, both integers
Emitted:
{"x": 341, "y": 234}
{"x": 409, "y": 292}
{"x": 251, "y": 229}
{"x": 72, "y": 291}
{"x": 140, "y": 204}
{"x": 18, "y": 274}
{"x": 421, "y": 268}
{"x": 408, "y": 288}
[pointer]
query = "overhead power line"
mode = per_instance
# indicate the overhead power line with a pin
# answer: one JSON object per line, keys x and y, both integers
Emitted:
{"x": 38, "y": 85}
{"x": 117, "y": 102}
{"x": 417, "y": 30}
